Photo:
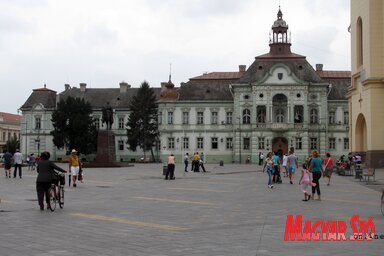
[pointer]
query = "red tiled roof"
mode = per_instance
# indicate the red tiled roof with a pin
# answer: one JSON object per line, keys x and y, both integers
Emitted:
{"x": 333, "y": 74}
{"x": 9, "y": 118}
{"x": 219, "y": 76}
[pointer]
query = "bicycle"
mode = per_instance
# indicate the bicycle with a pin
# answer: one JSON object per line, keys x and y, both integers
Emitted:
{"x": 56, "y": 193}
{"x": 382, "y": 202}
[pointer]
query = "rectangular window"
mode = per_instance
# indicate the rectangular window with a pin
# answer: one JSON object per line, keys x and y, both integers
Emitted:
{"x": 346, "y": 143}
{"x": 171, "y": 143}
{"x": 261, "y": 143}
{"x": 246, "y": 143}
{"x": 37, "y": 123}
{"x": 200, "y": 143}
{"x": 331, "y": 117}
{"x": 346, "y": 117}
{"x": 298, "y": 143}
{"x": 313, "y": 143}
{"x": 261, "y": 114}
{"x": 185, "y": 117}
{"x": 332, "y": 143}
{"x": 170, "y": 117}
{"x": 121, "y": 123}
{"x": 214, "y": 117}
{"x": 229, "y": 144}
{"x": 185, "y": 143}
{"x": 228, "y": 118}
{"x": 200, "y": 118}
{"x": 160, "y": 117}
{"x": 121, "y": 145}
{"x": 214, "y": 143}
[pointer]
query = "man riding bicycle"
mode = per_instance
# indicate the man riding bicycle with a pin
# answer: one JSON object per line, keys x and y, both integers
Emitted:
{"x": 46, "y": 175}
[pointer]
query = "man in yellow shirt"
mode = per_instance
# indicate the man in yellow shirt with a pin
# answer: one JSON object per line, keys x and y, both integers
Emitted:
{"x": 74, "y": 166}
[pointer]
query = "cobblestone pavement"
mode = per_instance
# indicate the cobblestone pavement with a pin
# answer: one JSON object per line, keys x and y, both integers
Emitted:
{"x": 228, "y": 211}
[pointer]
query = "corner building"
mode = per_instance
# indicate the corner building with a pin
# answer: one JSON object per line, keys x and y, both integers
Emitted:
{"x": 366, "y": 93}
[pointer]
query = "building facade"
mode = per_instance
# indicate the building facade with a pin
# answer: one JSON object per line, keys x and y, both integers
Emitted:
{"x": 366, "y": 93}
{"x": 279, "y": 102}
{"x": 9, "y": 128}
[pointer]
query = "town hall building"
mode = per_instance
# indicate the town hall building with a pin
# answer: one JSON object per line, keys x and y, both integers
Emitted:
{"x": 279, "y": 102}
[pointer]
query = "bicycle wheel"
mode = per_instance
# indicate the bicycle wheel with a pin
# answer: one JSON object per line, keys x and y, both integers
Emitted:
{"x": 52, "y": 199}
{"x": 61, "y": 197}
{"x": 382, "y": 203}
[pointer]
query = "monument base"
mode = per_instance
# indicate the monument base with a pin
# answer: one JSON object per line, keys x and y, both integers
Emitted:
{"x": 105, "y": 156}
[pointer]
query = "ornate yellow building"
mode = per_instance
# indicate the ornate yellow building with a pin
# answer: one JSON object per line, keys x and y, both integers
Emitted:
{"x": 366, "y": 94}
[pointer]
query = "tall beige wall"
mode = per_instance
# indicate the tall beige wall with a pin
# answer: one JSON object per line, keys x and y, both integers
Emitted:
{"x": 366, "y": 95}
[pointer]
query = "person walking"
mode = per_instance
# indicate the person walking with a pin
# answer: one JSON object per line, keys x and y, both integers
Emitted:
{"x": 18, "y": 161}
{"x": 74, "y": 166}
{"x": 7, "y": 164}
{"x": 276, "y": 168}
{"x": 293, "y": 165}
{"x": 201, "y": 162}
{"x": 171, "y": 167}
{"x": 328, "y": 165}
{"x": 31, "y": 162}
{"x": 316, "y": 168}
{"x": 45, "y": 176}
{"x": 261, "y": 158}
{"x": 305, "y": 181}
{"x": 285, "y": 168}
{"x": 268, "y": 167}
{"x": 186, "y": 161}
{"x": 196, "y": 160}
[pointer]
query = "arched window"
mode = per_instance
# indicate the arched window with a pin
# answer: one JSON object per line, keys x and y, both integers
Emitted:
{"x": 313, "y": 116}
{"x": 246, "y": 116}
{"x": 279, "y": 115}
{"x": 359, "y": 42}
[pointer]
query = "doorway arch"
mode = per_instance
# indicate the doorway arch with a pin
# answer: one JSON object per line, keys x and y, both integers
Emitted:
{"x": 361, "y": 134}
{"x": 280, "y": 145}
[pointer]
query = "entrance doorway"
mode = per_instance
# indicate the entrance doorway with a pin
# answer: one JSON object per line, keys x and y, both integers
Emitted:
{"x": 280, "y": 145}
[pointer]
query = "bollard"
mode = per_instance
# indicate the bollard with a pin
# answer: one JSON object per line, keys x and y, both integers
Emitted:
{"x": 221, "y": 163}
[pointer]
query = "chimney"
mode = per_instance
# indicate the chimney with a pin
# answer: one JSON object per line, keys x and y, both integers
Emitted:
{"x": 124, "y": 86}
{"x": 319, "y": 67}
{"x": 82, "y": 87}
{"x": 242, "y": 68}
{"x": 67, "y": 87}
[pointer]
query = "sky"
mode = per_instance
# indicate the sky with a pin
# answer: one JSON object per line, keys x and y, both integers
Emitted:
{"x": 102, "y": 43}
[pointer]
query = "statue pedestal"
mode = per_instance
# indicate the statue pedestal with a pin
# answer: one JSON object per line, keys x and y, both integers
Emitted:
{"x": 105, "y": 156}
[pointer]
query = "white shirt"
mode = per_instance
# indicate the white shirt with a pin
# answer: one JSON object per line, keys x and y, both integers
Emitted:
{"x": 18, "y": 158}
{"x": 285, "y": 158}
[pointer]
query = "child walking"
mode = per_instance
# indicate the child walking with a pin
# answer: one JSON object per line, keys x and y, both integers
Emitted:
{"x": 268, "y": 167}
{"x": 305, "y": 181}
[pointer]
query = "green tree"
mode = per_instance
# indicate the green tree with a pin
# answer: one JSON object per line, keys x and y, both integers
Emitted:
{"x": 12, "y": 144}
{"x": 142, "y": 128}
{"x": 73, "y": 126}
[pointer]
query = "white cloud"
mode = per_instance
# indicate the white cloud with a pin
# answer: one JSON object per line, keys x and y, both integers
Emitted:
{"x": 104, "y": 42}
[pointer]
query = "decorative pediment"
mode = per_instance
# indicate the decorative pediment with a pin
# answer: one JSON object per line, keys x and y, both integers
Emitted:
{"x": 280, "y": 74}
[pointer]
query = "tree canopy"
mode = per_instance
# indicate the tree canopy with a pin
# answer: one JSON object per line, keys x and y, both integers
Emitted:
{"x": 73, "y": 126}
{"x": 142, "y": 127}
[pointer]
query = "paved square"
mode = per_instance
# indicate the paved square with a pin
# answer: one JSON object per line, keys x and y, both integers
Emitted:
{"x": 134, "y": 211}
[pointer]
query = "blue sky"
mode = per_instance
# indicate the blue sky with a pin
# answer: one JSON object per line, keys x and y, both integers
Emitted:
{"x": 102, "y": 43}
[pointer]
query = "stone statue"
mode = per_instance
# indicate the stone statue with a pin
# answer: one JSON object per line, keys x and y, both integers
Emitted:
{"x": 107, "y": 116}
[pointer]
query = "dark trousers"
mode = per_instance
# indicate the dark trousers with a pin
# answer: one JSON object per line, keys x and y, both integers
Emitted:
{"x": 186, "y": 166}
{"x": 192, "y": 165}
{"x": 170, "y": 172}
{"x": 202, "y": 167}
{"x": 260, "y": 161}
{"x": 276, "y": 174}
{"x": 42, "y": 188}
{"x": 17, "y": 166}
{"x": 316, "y": 178}
{"x": 196, "y": 166}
